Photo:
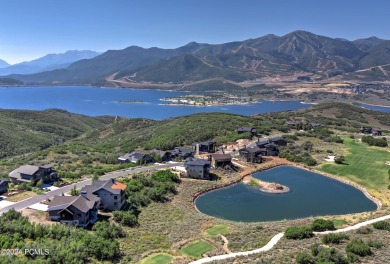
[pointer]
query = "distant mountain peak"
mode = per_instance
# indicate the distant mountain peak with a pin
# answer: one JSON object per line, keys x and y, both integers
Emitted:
{"x": 3, "y": 64}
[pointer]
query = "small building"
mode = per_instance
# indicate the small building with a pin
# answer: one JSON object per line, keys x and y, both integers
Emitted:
{"x": 206, "y": 146}
{"x": 313, "y": 125}
{"x": 3, "y": 185}
{"x": 251, "y": 154}
{"x": 366, "y": 130}
{"x": 74, "y": 210}
{"x": 180, "y": 153}
{"x": 220, "y": 160}
{"x": 278, "y": 140}
{"x": 377, "y": 132}
{"x": 294, "y": 123}
{"x": 136, "y": 158}
{"x": 251, "y": 130}
{"x": 163, "y": 154}
{"x": 111, "y": 193}
{"x": 197, "y": 168}
{"x": 267, "y": 148}
{"x": 31, "y": 173}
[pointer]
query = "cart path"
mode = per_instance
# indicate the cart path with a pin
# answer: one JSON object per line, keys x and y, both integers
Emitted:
{"x": 277, "y": 237}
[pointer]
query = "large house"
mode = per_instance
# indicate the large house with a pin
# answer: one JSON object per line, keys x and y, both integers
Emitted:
{"x": 31, "y": 173}
{"x": 3, "y": 186}
{"x": 251, "y": 154}
{"x": 220, "y": 160}
{"x": 74, "y": 210}
{"x": 366, "y": 130}
{"x": 180, "y": 153}
{"x": 197, "y": 168}
{"x": 207, "y": 146}
{"x": 136, "y": 157}
{"x": 377, "y": 132}
{"x": 251, "y": 130}
{"x": 111, "y": 193}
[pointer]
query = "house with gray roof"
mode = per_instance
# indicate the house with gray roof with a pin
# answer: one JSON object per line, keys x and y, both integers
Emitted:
{"x": 3, "y": 185}
{"x": 74, "y": 210}
{"x": 136, "y": 157}
{"x": 197, "y": 168}
{"x": 251, "y": 154}
{"x": 32, "y": 173}
{"x": 206, "y": 146}
{"x": 180, "y": 153}
{"x": 111, "y": 193}
{"x": 251, "y": 130}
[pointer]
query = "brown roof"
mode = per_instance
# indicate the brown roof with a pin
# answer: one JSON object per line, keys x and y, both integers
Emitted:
{"x": 221, "y": 157}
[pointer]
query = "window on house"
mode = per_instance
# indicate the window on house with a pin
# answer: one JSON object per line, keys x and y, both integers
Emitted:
{"x": 115, "y": 197}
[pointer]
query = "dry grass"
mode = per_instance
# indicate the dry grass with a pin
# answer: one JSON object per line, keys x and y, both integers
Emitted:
{"x": 21, "y": 196}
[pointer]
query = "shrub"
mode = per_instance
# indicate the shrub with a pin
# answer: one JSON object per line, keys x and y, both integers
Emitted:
{"x": 127, "y": 218}
{"x": 339, "y": 159}
{"x": 358, "y": 247}
{"x": 334, "y": 238}
{"x": 364, "y": 231}
{"x": 304, "y": 258}
{"x": 320, "y": 225}
{"x": 382, "y": 225}
{"x": 299, "y": 232}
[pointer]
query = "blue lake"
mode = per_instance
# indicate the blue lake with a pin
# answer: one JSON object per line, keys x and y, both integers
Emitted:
{"x": 95, "y": 101}
{"x": 374, "y": 107}
{"x": 311, "y": 194}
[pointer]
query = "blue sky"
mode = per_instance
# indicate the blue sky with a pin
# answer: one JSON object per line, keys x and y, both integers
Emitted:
{"x": 31, "y": 29}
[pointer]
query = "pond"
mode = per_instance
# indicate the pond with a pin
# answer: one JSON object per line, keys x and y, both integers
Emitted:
{"x": 311, "y": 194}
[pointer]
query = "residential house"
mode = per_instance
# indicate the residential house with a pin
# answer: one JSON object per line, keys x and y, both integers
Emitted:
{"x": 197, "y": 168}
{"x": 267, "y": 148}
{"x": 3, "y": 185}
{"x": 111, "y": 193}
{"x": 136, "y": 157}
{"x": 251, "y": 154}
{"x": 313, "y": 125}
{"x": 294, "y": 123}
{"x": 31, "y": 173}
{"x": 164, "y": 155}
{"x": 366, "y": 130}
{"x": 74, "y": 210}
{"x": 180, "y": 153}
{"x": 207, "y": 146}
{"x": 251, "y": 130}
{"x": 377, "y": 132}
{"x": 220, "y": 160}
{"x": 278, "y": 140}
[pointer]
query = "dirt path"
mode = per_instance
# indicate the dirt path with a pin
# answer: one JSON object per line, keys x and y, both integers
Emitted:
{"x": 226, "y": 244}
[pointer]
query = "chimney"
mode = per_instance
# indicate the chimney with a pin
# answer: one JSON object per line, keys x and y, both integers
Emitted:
{"x": 197, "y": 148}
{"x": 84, "y": 194}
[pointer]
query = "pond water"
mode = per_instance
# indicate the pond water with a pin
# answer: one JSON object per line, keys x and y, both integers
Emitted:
{"x": 311, "y": 194}
{"x": 96, "y": 101}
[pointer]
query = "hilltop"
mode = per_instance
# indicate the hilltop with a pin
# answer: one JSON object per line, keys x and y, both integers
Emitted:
{"x": 23, "y": 131}
{"x": 298, "y": 53}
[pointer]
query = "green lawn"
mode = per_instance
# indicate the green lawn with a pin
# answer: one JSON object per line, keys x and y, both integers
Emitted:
{"x": 217, "y": 230}
{"x": 338, "y": 223}
{"x": 364, "y": 165}
{"x": 197, "y": 249}
{"x": 159, "y": 258}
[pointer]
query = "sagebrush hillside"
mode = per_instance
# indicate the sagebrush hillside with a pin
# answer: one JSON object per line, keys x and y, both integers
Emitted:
{"x": 23, "y": 131}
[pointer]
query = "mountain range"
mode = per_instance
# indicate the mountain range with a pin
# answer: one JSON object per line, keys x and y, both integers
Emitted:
{"x": 47, "y": 63}
{"x": 3, "y": 64}
{"x": 270, "y": 57}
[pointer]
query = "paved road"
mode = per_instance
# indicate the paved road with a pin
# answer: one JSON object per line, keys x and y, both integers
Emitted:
{"x": 274, "y": 240}
{"x": 36, "y": 199}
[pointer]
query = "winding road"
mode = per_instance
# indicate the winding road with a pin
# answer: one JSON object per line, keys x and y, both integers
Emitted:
{"x": 40, "y": 198}
{"x": 274, "y": 240}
